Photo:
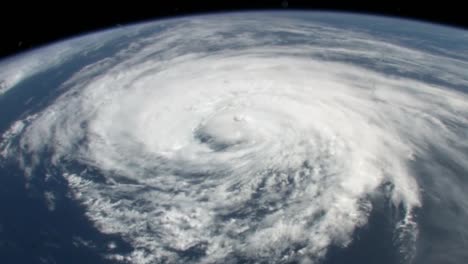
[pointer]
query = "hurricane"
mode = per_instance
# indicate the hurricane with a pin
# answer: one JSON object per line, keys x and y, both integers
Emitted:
{"x": 215, "y": 140}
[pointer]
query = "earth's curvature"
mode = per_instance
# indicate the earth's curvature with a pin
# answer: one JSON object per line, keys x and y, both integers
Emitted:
{"x": 272, "y": 137}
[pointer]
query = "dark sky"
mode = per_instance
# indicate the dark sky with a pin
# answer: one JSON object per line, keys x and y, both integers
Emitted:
{"x": 25, "y": 25}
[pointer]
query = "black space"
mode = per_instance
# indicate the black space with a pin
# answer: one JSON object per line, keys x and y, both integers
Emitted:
{"x": 26, "y": 25}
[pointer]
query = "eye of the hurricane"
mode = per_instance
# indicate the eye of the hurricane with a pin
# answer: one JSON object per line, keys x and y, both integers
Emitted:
{"x": 225, "y": 131}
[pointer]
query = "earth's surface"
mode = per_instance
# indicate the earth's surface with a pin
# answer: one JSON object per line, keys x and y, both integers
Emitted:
{"x": 283, "y": 137}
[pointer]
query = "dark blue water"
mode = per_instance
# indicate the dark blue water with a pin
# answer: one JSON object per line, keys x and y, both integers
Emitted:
{"x": 30, "y": 233}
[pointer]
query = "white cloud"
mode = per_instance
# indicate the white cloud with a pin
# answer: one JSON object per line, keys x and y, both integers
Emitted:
{"x": 258, "y": 150}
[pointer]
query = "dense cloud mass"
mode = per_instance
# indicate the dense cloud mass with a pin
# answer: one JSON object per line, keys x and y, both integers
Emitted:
{"x": 258, "y": 138}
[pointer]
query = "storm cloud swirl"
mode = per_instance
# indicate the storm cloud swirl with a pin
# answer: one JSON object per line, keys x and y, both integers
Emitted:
{"x": 258, "y": 138}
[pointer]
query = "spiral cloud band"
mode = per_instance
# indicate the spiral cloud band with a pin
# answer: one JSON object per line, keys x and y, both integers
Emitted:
{"x": 209, "y": 140}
